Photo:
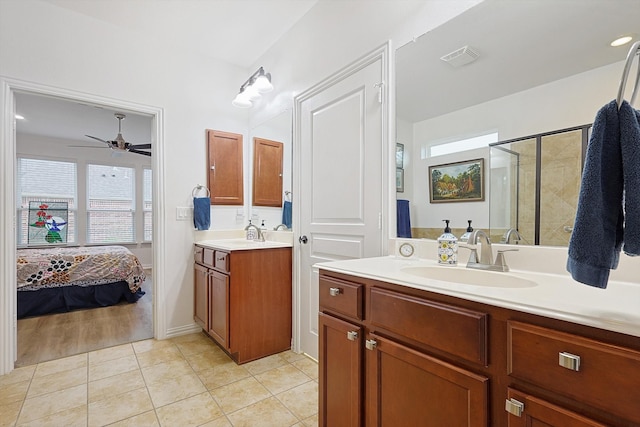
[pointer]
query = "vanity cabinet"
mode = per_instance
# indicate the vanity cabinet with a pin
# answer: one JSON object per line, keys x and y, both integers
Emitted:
{"x": 396, "y": 355}
{"x": 373, "y": 367}
{"x": 242, "y": 299}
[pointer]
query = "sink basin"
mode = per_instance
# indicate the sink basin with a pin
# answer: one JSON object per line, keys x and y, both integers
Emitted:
{"x": 470, "y": 277}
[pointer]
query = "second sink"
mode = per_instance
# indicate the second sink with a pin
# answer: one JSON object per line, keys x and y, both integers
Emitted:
{"x": 470, "y": 277}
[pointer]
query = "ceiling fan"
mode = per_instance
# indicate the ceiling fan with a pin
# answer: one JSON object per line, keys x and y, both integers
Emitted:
{"x": 120, "y": 144}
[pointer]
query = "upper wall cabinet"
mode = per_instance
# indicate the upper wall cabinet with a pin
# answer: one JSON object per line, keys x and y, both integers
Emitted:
{"x": 224, "y": 167}
{"x": 267, "y": 172}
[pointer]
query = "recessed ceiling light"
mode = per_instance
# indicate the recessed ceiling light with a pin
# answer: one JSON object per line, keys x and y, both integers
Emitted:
{"x": 19, "y": 117}
{"x": 622, "y": 40}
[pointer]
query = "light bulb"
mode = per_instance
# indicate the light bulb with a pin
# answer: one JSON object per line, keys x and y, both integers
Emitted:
{"x": 251, "y": 93}
{"x": 263, "y": 83}
{"x": 241, "y": 101}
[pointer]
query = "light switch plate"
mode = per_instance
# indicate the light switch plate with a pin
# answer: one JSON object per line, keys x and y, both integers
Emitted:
{"x": 183, "y": 213}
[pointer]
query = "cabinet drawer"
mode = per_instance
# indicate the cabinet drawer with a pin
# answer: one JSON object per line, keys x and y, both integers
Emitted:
{"x": 198, "y": 252}
{"x": 341, "y": 297}
{"x": 207, "y": 256}
{"x": 599, "y": 374}
{"x": 221, "y": 261}
{"x": 456, "y": 330}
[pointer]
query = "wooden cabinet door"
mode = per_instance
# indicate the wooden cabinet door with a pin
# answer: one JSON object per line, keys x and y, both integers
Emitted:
{"x": 340, "y": 370}
{"x": 200, "y": 296}
{"x": 219, "y": 308}
{"x": 267, "y": 172}
{"x": 409, "y": 388}
{"x": 540, "y": 413}
{"x": 224, "y": 168}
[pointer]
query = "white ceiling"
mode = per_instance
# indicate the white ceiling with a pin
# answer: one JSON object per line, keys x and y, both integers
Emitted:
{"x": 247, "y": 27}
{"x": 522, "y": 44}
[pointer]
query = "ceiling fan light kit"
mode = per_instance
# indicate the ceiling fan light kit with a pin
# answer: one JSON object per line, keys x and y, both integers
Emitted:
{"x": 119, "y": 142}
{"x": 251, "y": 90}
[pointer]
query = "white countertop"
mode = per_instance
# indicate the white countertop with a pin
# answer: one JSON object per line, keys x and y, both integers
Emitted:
{"x": 616, "y": 308}
{"x": 242, "y": 244}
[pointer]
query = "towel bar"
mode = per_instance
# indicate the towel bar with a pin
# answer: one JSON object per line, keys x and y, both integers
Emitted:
{"x": 633, "y": 52}
{"x": 197, "y": 188}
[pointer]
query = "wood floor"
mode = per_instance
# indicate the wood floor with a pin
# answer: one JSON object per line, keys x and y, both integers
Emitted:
{"x": 54, "y": 336}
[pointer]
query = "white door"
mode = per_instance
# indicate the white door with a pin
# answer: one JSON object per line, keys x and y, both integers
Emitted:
{"x": 341, "y": 176}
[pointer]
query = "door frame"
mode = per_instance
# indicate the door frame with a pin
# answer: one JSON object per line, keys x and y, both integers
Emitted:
{"x": 8, "y": 271}
{"x": 379, "y": 54}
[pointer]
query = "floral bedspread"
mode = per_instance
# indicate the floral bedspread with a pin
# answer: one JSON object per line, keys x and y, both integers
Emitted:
{"x": 78, "y": 266}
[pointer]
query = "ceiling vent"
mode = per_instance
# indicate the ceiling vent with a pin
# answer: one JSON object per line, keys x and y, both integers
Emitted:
{"x": 460, "y": 57}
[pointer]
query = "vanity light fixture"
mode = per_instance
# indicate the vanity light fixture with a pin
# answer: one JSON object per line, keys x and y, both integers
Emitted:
{"x": 250, "y": 91}
{"x": 621, "y": 41}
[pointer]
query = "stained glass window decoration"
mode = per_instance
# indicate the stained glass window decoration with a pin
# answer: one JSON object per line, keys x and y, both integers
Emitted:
{"x": 48, "y": 223}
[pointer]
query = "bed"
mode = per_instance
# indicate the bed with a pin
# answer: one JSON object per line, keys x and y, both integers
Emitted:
{"x": 55, "y": 280}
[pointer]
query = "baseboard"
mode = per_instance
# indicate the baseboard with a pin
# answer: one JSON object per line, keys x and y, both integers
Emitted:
{"x": 183, "y": 330}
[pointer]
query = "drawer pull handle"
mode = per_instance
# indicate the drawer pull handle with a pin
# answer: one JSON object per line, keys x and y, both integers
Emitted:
{"x": 334, "y": 292}
{"x": 569, "y": 361}
{"x": 352, "y": 335}
{"x": 514, "y": 407}
{"x": 371, "y": 344}
{"x": 220, "y": 259}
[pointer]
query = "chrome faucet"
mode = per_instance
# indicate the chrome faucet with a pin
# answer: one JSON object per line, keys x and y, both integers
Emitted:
{"x": 486, "y": 254}
{"x": 486, "y": 261}
{"x": 283, "y": 226}
{"x": 507, "y": 236}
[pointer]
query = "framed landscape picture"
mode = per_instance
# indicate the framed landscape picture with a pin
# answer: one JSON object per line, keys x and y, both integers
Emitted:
{"x": 457, "y": 182}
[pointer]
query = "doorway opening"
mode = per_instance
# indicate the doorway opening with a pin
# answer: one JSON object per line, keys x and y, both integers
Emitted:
{"x": 144, "y": 312}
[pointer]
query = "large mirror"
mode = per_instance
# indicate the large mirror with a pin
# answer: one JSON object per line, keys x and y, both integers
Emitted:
{"x": 273, "y": 132}
{"x": 515, "y": 69}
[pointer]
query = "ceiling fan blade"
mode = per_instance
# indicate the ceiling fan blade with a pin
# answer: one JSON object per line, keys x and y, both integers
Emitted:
{"x": 85, "y": 146}
{"x": 139, "y": 152}
{"x": 140, "y": 146}
{"x": 98, "y": 139}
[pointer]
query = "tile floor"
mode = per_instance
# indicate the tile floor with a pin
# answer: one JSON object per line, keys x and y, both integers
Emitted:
{"x": 184, "y": 381}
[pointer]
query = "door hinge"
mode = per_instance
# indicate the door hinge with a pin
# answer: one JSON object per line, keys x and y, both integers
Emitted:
{"x": 379, "y": 87}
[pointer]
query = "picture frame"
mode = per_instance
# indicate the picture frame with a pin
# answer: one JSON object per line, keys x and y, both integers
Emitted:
{"x": 399, "y": 180}
{"x": 399, "y": 155}
{"x": 457, "y": 182}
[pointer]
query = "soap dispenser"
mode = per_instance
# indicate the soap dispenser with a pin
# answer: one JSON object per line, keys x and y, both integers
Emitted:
{"x": 465, "y": 237}
{"x": 447, "y": 247}
{"x": 252, "y": 231}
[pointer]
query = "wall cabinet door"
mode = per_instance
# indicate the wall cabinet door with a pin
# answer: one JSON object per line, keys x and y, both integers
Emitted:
{"x": 219, "y": 308}
{"x": 410, "y": 388}
{"x": 340, "y": 371}
{"x": 267, "y": 172}
{"x": 224, "y": 167}
{"x": 201, "y": 296}
{"x": 538, "y": 412}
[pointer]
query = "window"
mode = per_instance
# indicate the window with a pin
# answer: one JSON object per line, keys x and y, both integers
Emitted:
{"x": 110, "y": 204}
{"x": 459, "y": 145}
{"x": 45, "y": 180}
{"x": 147, "y": 219}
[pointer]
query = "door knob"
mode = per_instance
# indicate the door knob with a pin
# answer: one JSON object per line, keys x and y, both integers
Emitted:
{"x": 303, "y": 239}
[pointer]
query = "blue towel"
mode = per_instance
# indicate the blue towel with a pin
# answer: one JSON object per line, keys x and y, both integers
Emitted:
{"x": 630, "y": 146}
{"x": 287, "y": 213}
{"x": 594, "y": 247}
{"x": 201, "y": 213}
{"x": 403, "y": 220}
